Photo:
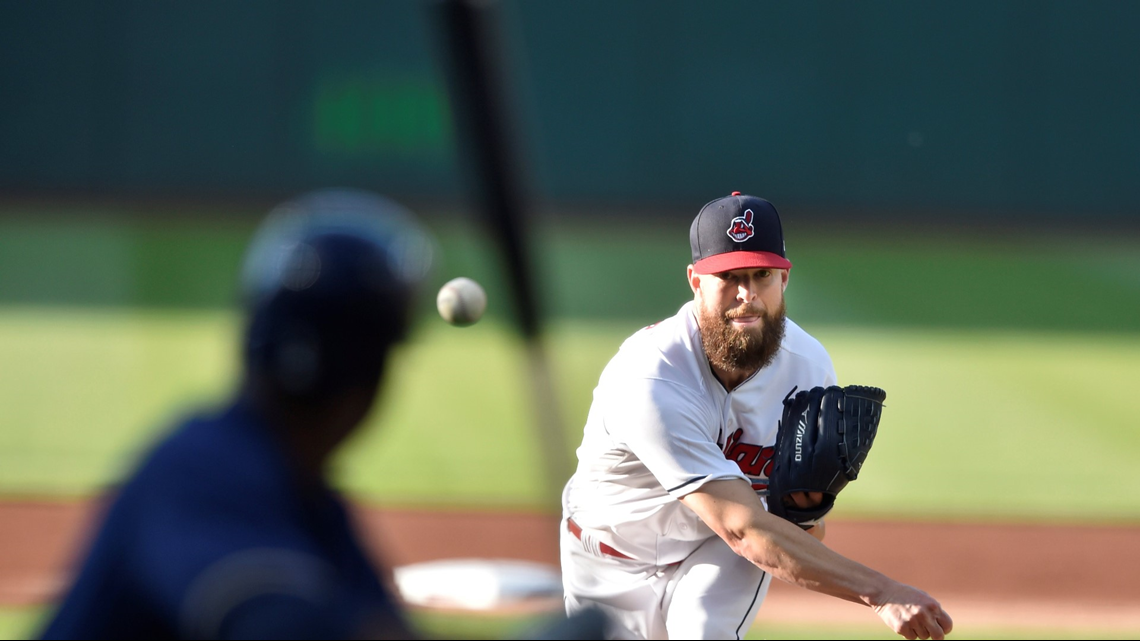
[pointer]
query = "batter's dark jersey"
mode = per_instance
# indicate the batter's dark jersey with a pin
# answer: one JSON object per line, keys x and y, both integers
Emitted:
{"x": 215, "y": 536}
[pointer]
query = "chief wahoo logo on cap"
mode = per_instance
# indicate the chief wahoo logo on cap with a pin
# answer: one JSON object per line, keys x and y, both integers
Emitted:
{"x": 741, "y": 228}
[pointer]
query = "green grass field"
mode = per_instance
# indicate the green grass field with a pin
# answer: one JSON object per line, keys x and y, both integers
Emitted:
{"x": 1008, "y": 364}
{"x": 978, "y": 423}
{"x": 25, "y": 623}
{"x": 455, "y": 626}
{"x": 20, "y": 623}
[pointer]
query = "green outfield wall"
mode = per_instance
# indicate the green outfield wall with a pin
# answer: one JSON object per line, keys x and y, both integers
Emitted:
{"x": 1004, "y": 108}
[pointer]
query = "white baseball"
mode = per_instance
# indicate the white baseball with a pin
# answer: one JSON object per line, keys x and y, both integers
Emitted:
{"x": 461, "y": 301}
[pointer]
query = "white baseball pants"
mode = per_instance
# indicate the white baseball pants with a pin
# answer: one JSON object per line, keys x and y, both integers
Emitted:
{"x": 713, "y": 594}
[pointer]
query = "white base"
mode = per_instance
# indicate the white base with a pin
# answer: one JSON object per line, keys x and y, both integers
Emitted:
{"x": 476, "y": 584}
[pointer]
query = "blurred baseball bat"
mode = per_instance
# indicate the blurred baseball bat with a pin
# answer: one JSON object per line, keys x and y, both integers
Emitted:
{"x": 477, "y": 85}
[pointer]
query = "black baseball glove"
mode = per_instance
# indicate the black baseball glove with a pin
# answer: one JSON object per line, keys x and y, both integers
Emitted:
{"x": 822, "y": 441}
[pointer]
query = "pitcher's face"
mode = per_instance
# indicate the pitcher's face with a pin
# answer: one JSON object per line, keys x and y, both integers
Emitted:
{"x": 741, "y": 315}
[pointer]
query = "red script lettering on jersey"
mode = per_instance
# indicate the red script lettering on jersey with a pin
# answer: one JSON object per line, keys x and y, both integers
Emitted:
{"x": 753, "y": 460}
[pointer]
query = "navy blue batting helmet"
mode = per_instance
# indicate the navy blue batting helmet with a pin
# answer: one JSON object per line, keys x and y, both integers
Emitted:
{"x": 328, "y": 284}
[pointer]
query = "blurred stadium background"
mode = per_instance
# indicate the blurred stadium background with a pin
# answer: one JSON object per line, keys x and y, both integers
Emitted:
{"x": 958, "y": 184}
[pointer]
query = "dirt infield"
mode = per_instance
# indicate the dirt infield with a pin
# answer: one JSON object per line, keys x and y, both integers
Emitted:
{"x": 985, "y": 575}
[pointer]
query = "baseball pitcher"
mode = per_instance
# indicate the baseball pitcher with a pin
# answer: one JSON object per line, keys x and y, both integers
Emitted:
{"x": 716, "y": 442}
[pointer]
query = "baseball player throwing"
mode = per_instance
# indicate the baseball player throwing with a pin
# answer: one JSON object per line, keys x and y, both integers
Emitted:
{"x": 666, "y": 526}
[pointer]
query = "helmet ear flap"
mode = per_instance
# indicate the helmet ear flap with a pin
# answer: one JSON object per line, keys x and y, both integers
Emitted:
{"x": 296, "y": 361}
{"x": 287, "y": 353}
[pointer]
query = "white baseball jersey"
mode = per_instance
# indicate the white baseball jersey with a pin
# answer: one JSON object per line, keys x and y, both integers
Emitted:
{"x": 661, "y": 425}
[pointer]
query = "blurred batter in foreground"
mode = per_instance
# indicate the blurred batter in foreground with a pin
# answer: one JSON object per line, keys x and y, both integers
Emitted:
{"x": 663, "y": 529}
{"x": 228, "y": 528}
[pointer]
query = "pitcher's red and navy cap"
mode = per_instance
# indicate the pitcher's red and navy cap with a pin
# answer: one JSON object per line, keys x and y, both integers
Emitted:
{"x": 737, "y": 232}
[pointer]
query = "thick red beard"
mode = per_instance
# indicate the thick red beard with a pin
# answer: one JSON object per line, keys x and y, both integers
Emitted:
{"x": 742, "y": 350}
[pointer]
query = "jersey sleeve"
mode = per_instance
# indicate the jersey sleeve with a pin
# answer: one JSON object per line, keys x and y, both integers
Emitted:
{"x": 669, "y": 429}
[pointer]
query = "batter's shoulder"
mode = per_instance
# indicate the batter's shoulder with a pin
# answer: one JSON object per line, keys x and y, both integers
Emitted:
{"x": 208, "y": 453}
